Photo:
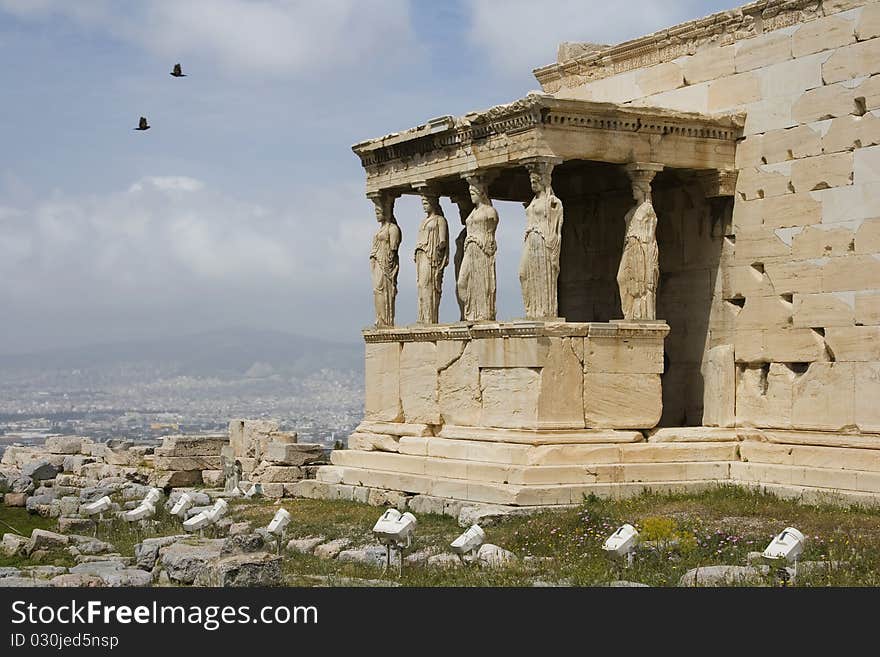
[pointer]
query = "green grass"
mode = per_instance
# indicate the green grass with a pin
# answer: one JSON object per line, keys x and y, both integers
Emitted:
{"x": 720, "y": 526}
{"x": 17, "y": 520}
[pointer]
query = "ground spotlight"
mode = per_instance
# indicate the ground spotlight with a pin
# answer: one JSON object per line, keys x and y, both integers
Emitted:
{"x": 278, "y": 525}
{"x": 394, "y": 529}
{"x": 218, "y": 510}
{"x": 469, "y": 541}
{"x": 786, "y": 548}
{"x": 98, "y": 506}
{"x": 153, "y": 496}
{"x": 184, "y": 503}
{"x": 623, "y": 542}
{"x": 197, "y": 522}
{"x": 143, "y": 511}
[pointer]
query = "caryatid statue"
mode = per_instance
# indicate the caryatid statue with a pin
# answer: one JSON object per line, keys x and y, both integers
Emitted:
{"x": 431, "y": 257}
{"x": 476, "y": 279}
{"x": 465, "y": 206}
{"x": 384, "y": 261}
{"x": 639, "y": 271}
{"x": 539, "y": 263}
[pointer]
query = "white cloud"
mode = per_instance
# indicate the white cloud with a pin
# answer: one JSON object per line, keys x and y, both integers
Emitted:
{"x": 265, "y": 37}
{"x": 521, "y": 35}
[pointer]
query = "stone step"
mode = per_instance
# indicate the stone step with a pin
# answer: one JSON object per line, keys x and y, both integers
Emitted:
{"x": 530, "y": 475}
{"x": 495, "y": 493}
{"x": 567, "y": 454}
{"x": 830, "y": 478}
{"x": 540, "y": 437}
{"x": 844, "y": 458}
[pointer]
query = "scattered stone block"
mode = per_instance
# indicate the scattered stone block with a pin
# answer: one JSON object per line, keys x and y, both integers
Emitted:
{"x": 304, "y": 545}
{"x": 13, "y": 544}
{"x": 185, "y": 559}
{"x": 40, "y": 470}
{"x": 493, "y": 556}
{"x": 147, "y": 552}
{"x": 68, "y": 525}
{"x": 294, "y": 453}
{"x": 242, "y": 570}
{"x": 723, "y": 576}
{"x": 331, "y": 549}
{"x": 42, "y": 539}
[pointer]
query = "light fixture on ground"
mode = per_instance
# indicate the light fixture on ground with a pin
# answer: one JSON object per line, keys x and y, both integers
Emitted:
{"x": 197, "y": 523}
{"x": 623, "y": 543}
{"x": 98, "y": 507}
{"x": 786, "y": 548}
{"x": 184, "y": 503}
{"x": 469, "y": 541}
{"x": 394, "y": 529}
{"x": 153, "y": 496}
{"x": 206, "y": 519}
{"x": 141, "y": 512}
{"x": 254, "y": 491}
{"x": 278, "y": 525}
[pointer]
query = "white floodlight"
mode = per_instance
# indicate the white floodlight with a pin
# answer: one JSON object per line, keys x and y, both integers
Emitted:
{"x": 394, "y": 529}
{"x": 787, "y": 546}
{"x": 623, "y": 542}
{"x": 279, "y": 522}
{"x": 469, "y": 541}
{"x": 278, "y": 525}
{"x": 197, "y": 522}
{"x": 183, "y": 504}
{"x": 254, "y": 491}
{"x": 98, "y": 506}
{"x": 153, "y": 496}
{"x": 218, "y": 510}
{"x": 141, "y": 512}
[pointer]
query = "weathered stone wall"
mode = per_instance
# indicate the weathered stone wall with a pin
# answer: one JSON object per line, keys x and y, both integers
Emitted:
{"x": 798, "y": 291}
{"x": 603, "y": 376}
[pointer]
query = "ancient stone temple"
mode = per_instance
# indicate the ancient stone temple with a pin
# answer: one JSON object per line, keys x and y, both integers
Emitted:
{"x": 700, "y": 273}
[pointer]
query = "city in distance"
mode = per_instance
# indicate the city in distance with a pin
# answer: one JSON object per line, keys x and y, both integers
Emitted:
{"x": 141, "y": 390}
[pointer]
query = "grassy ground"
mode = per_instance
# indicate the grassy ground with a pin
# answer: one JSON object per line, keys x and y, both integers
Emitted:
{"x": 687, "y": 531}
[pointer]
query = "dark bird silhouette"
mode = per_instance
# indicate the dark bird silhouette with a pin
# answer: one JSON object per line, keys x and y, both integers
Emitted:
{"x": 142, "y": 124}
{"x": 177, "y": 72}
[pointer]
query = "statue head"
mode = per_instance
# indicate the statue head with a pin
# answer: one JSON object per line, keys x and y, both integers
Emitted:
{"x": 383, "y": 204}
{"x": 540, "y": 176}
{"x": 431, "y": 204}
{"x": 478, "y": 189}
{"x": 641, "y": 191}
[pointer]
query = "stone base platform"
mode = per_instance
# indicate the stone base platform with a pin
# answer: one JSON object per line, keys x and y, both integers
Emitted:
{"x": 542, "y": 468}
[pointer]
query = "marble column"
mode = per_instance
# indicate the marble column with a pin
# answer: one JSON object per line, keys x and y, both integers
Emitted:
{"x": 639, "y": 271}
{"x": 476, "y": 280}
{"x": 431, "y": 255}
{"x": 539, "y": 263}
{"x": 384, "y": 259}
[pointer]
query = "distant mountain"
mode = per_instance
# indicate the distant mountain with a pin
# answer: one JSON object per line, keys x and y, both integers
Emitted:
{"x": 227, "y": 352}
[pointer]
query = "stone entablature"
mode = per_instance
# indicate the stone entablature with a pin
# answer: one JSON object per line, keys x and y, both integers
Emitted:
{"x": 542, "y": 126}
{"x": 723, "y": 28}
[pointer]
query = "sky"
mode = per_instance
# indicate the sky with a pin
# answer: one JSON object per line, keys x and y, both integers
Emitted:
{"x": 243, "y": 205}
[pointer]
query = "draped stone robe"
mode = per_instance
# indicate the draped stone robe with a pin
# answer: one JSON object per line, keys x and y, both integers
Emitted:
{"x": 431, "y": 257}
{"x": 539, "y": 264}
{"x": 476, "y": 282}
{"x": 384, "y": 265}
{"x": 639, "y": 272}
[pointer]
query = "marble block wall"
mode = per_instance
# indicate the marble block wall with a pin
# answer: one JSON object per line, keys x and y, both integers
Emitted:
{"x": 797, "y": 293}
{"x": 584, "y": 376}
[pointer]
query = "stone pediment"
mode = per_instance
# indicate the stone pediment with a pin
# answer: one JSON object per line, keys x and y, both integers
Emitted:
{"x": 540, "y": 125}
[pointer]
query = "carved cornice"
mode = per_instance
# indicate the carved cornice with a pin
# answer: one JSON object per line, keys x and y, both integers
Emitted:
{"x": 723, "y": 28}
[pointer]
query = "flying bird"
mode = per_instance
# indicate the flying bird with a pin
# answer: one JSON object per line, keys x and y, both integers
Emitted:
{"x": 142, "y": 124}
{"x": 177, "y": 72}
